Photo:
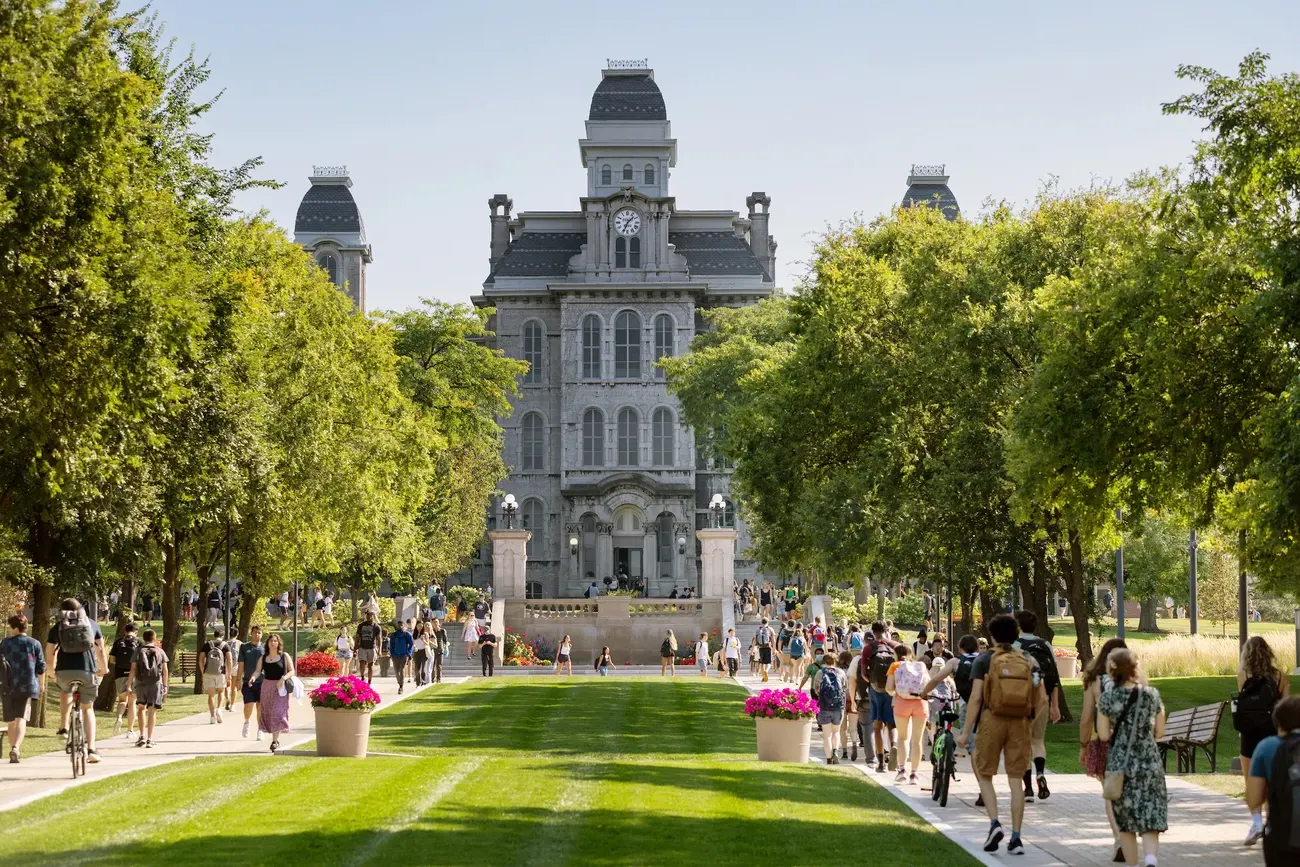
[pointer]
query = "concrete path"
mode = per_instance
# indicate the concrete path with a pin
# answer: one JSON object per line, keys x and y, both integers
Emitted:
{"x": 1070, "y": 827}
{"x": 186, "y": 738}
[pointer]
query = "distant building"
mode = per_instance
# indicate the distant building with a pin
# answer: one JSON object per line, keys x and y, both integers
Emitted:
{"x": 928, "y": 185}
{"x": 329, "y": 227}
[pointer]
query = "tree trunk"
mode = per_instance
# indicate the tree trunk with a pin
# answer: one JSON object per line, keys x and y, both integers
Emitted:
{"x": 967, "y": 609}
{"x": 1042, "y": 585}
{"x": 988, "y": 610}
{"x": 201, "y": 623}
{"x": 862, "y": 592}
{"x": 1020, "y": 575}
{"x": 1072, "y": 568}
{"x": 42, "y": 599}
{"x": 171, "y": 594}
{"x": 248, "y": 601}
{"x": 1147, "y": 619}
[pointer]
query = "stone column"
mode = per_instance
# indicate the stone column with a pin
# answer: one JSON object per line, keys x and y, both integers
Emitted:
{"x": 604, "y": 551}
{"x": 509, "y": 562}
{"x": 717, "y": 562}
{"x": 650, "y": 553}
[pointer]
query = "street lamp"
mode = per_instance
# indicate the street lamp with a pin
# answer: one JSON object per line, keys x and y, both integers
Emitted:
{"x": 509, "y": 508}
{"x": 681, "y": 544}
{"x": 715, "y": 510}
{"x": 573, "y": 545}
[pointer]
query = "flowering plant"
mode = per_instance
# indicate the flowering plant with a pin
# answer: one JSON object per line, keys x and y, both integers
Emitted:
{"x": 781, "y": 704}
{"x": 317, "y": 664}
{"x": 345, "y": 693}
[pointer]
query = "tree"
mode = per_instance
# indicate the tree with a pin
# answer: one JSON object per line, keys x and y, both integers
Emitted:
{"x": 1155, "y": 566}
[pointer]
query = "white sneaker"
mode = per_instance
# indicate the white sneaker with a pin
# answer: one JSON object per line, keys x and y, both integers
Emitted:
{"x": 212, "y": 719}
{"x": 217, "y": 714}
{"x": 259, "y": 734}
{"x": 245, "y": 728}
{"x": 1256, "y": 832}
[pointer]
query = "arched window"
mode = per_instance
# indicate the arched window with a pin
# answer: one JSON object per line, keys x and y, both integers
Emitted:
{"x": 620, "y": 253}
{"x": 627, "y": 346}
{"x": 533, "y": 352}
{"x": 662, "y": 438}
{"x": 532, "y": 442}
{"x": 649, "y": 174}
{"x": 606, "y": 175}
{"x": 634, "y": 252}
{"x": 667, "y": 544}
{"x": 534, "y": 519}
{"x": 591, "y": 347}
{"x": 331, "y": 266}
{"x": 627, "y": 173}
{"x": 629, "y": 451}
{"x": 663, "y": 341}
{"x": 533, "y": 590}
{"x": 593, "y": 438}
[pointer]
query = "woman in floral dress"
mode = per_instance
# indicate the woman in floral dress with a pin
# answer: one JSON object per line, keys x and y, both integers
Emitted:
{"x": 1143, "y": 808}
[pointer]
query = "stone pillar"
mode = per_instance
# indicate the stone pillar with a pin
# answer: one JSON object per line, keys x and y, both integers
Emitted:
{"x": 717, "y": 562}
{"x": 604, "y": 551}
{"x": 650, "y": 553}
{"x": 509, "y": 563}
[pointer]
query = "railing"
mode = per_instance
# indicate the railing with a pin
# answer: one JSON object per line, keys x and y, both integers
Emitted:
{"x": 559, "y": 610}
{"x": 670, "y": 607}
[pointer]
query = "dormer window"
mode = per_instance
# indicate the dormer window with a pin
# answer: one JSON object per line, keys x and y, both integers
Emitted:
{"x": 627, "y": 173}
{"x": 649, "y": 175}
{"x": 606, "y": 175}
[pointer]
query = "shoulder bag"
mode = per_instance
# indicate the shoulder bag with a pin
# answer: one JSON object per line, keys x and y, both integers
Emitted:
{"x": 1112, "y": 784}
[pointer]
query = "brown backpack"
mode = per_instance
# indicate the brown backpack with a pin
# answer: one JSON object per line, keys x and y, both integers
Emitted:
{"x": 1009, "y": 684}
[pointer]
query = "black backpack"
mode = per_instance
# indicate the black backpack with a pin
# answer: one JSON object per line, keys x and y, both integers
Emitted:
{"x": 1252, "y": 708}
{"x": 666, "y": 649}
{"x": 1041, "y": 652}
{"x": 1282, "y": 833}
{"x": 882, "y": 657}
{"x": 965, "y": 665}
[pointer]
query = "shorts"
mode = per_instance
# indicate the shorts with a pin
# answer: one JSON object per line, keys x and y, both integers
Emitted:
{"x": 16, "y": 707}
{"x": 703, "y": 664}
{"x": 1038, "y": 731}
{"x": 251, "y": 694}
{"x": 440, "y": 614}
{"x": 1006, "y": 738}
{"x": 214, "y": 615}
{"x": 89, "y": 684}
{"x": 343, "y": 654}
{"x": 831, "y": 716}
{"x": 910, "y": 708}
{"x": 882, "y": 706}
{"x": 149, "y": 694}
{"x": 1248, "y": 742}
{"x": 121, "y": 684}
{"x": 365, "y": 654}
{"x": 214, "y": 681}
{"x": 790, "y": 606}
{"x": 764, "y": 655}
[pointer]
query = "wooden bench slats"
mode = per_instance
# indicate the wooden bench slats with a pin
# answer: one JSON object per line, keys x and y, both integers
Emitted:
{"x": 1189, "y": 730}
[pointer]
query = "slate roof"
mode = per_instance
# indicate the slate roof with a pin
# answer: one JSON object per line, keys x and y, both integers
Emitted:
{"x": 716, "y": 253}
{"x": 328, "y": 208}
{"x": 627, "y": 97}
{"x": 925, "y": 194}
{"x": 539, "y": 254}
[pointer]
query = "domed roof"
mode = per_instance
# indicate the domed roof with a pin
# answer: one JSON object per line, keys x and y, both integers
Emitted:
{"x": 628, "y": 97}
{"x": 328, "y": 208}
{"x": 934, "y": 195}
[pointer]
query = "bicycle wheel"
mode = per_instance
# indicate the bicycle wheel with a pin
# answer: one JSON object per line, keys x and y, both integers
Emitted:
{"x": 947, "y": 768}
{"x": 76, "y": 742}
{"x": 936, "y": 765}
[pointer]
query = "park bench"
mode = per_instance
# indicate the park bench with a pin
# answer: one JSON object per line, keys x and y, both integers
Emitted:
{"x": 1189, "y": 730}
{"x": 187, "y": 663}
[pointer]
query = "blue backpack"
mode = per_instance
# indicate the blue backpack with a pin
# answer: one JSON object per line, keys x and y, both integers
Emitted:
{"x": 830, "y": 692}
{"x": 855, "y": 641}
{"x": 796, "y": 647}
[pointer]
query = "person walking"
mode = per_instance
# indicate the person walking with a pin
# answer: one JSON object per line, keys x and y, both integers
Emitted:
{"x": 732, "y": 647}
{"x": 830, "y": 687}
{"x": 1092, "y": 749}
{"x": 905, "y": 683}
{"x": 1261, "y": 684}
{"x": 440, "y": 648}
{"x": 668, "y": 655}
{"x": 481, "y": 613}
{"x": 564, "y": 656}
{"x": 120, "y": 656}
{"x": 878, "y": 657}
{"x": 765, "y": 601}
{"x": 1132, "y": 719}
{"x": 764, "y": 638}
{"x": 795, "y": 655}
{"x": 421, "y": 655}
{"x": 369, "y": 641}
{"x": 487, "y": 651}
{"x": 1272, "y": 781}
{"x": 283, "y": 608}
{"x": 845, "y": 662}
{"x": 214, "y": 656}
{"x": 25, "y": 661}
{"x": 702, "y": 654}
{"x": 75, "y": 649}
{"x": 1040, "y": 649}
{"x": 1006, "y": 692}
{"x": 247, "y": 658}
{"x": 470, "y": 634}
{"x": 148, "y": 679}
{"x": 344, "y": 650}
{"x": 604, "y": 662}
{"x": 400, "y": 646}
{"x": 274, "y": 669}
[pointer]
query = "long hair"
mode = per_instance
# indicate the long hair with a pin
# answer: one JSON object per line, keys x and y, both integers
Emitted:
{"x": 1123, "y": 666}
{"x": 1098, "y": 666}
{"x": 672, "y": 641}
{"x": 1257, "y": 659}
{"x": 279, "y": 644}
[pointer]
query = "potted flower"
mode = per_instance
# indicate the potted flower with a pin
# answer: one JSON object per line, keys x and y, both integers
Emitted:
{"x": 343, "y": 706}
{"x": 1066, "y": 663}
{"x": 783, "y": 719}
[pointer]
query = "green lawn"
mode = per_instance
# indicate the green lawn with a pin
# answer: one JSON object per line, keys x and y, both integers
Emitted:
{"x": 1065, "y": 632}
{"x": 618, "y": 771}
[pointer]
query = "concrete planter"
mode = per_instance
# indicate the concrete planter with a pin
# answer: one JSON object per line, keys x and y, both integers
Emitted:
{"x": 1066, "y": 666}
{"x": 783, "y": 740}
{"x": 342, "y": 733}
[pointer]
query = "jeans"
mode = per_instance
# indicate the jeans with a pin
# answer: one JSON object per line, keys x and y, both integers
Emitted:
{"x": 733, "y": 665}
{"x": 489, "y": 660}
{"x": 437, "y": 666}
{"x": 417, "y": 670}
{"x": 399, "y": 668}
{"x": 426, "y": 668}
{"x": 604, "y": 671}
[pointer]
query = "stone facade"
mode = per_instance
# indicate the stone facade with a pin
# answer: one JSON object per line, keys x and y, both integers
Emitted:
{"x": 609, "y": 478}
{"x": 329, "y": 227}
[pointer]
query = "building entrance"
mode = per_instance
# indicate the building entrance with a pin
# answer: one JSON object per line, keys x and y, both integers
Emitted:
{"x": 627, "y": 561}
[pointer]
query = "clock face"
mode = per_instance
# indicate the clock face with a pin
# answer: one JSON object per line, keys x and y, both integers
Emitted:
{"x": 627, "y": 222}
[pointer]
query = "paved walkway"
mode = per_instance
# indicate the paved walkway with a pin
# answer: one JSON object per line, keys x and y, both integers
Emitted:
{"x": 1070, "y": 827}
{"x": 187, "y": 738}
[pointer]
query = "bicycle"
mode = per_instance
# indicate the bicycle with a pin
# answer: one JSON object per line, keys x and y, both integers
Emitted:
{"x": 76, "y": 745}
{"x": 943, "y": 755}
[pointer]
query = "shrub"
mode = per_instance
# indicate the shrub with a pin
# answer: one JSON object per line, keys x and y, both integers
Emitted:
{"x": 781, "y": 704}
{"x": 318, "y": 664}
{"x": 345, "y": 693}
{"x": 1275, "y": 610}
{"x": 518, "y": 651}
{"x": 471, "y": 594}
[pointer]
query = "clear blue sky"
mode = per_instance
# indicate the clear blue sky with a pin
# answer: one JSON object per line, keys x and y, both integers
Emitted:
{"x": 435, "y": 106}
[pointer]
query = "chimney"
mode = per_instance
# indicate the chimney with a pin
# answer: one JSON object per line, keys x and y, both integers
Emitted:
{"x": 500, "y": 206}
{"x": 758, "y": 203}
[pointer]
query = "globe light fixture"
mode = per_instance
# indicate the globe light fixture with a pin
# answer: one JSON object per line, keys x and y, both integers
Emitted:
{"x": 573, "y": 545}
{"x": 681, "y": 544}
{"x": 716, "y": 507}
{"x": 509, "y": 509}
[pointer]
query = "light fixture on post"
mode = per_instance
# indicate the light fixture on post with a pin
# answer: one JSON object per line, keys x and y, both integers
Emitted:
{"x": 509, "y": 508}
{"x": 681, "y": 544}
{"x": 716, "y": 506}
{"x": 573, "y": 545}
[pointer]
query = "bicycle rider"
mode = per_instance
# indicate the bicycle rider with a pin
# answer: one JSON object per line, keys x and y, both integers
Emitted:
{"x": 75, "y": 649}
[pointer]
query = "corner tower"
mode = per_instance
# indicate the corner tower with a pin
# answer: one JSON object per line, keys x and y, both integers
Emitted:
{"x": 928, "y": 185}
{"x": 329, "y": 227}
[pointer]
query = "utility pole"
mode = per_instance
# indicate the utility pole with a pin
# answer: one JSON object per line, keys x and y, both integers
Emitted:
{"x": 1243, "y": 596}
{"x": 227, "y": 605}
{"x": 1119, "y": 576}
{"x": 293, "y": 604}
{"x": 1191, "y": 550}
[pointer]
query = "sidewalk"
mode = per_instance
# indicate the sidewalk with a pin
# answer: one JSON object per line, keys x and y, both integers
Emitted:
{"x": 187, "y": 738}
{"x": 1069, "y": 828}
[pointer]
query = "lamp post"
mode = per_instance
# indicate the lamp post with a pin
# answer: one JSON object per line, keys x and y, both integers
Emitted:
{"x": 1191, "y": 566}
{"x": 227, "y": 605}
{"x": 509, "y": 509}
{"x": 681, "y": 544}
{"x": 1119, "y": 577}
{"x": 716, "y": 507}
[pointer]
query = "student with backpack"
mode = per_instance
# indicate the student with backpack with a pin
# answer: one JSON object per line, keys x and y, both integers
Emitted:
{"x": 121, "y": 655}
{"x": 1261, "y": 684}
{"x": 147, "y": 678}
{"x": 275, "y": 671}
{"x": 75, "y": 648}
{"x": 860, "y": 684}
{"x": 214, "y": 656}
{"x": 879, "y": 657}
{"x": 1040, "y": 649}
{"x": 795, "y": 654}
{"x": 1274, "y": 777}
{"x": 856, "y": 639}
{"x": 702, "y": 654}
{"x": 959, "y": 669}
{"x": 906, "y": 681}
{"x": 764, "y": 638}
{"x": 401, "y": 644}
{"x": 829, "y": 687}
{"x": 250, "y": 690}
{"x": 369, "y": 642}
{"x": 604, "y": 662}
{"x": 1006, "y": 693}
{"x": 668, "y": 655}
{"x": 818, "y": 634}
{"x": 22, "y": 667}
{"x": 731, "y": 648}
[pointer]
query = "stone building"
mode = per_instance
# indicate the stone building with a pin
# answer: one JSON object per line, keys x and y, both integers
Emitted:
{"x": 609, "y": 478}
{"x": 329, "y": 227}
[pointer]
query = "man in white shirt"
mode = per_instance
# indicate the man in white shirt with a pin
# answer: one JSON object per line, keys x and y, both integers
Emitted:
{"x": 732, "y": 648}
